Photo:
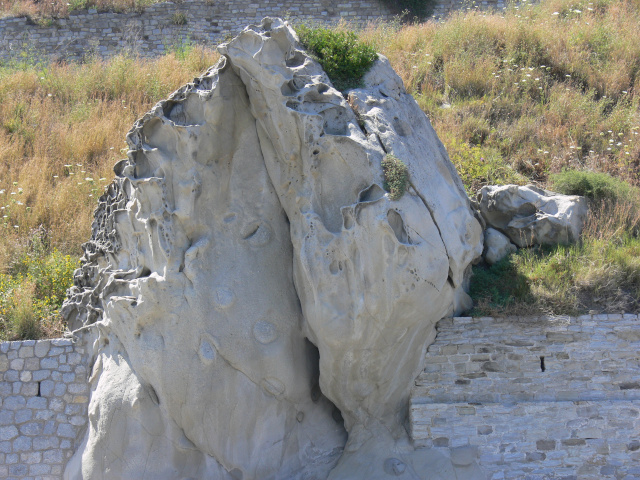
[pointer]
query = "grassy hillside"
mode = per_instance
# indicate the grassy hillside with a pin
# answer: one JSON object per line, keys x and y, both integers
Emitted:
{"x": 516, "y": 97}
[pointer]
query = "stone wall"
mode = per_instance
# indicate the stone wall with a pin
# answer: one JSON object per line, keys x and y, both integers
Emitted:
{"x": 44, "y": 395}
{"x": 163, "y": 26}
{"x": 535, "y": 398}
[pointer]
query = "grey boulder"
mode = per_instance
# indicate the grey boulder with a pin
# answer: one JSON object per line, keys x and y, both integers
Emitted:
{"x": 532, "y": 216}
{"x": 496, "y": 246}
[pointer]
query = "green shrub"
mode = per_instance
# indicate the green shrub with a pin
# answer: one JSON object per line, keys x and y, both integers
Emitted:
{"x": 593, "y": 185}
{"x": 179, "y": 18}
{"x": 32, "y": 291}
{"x": 341, "y": 54}
{"x": 395, "y": 176}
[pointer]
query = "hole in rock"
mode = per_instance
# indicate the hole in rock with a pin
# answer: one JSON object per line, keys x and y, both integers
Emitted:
{"x": 334, "y": 267}
{"x": 143, "y": 168}
{"x": 296, "y": 60}
{"x": 371, "y": 194}
{"x": 347, "y": 218}
{"x": 335, "y": 121}
{"x": 287, "y": 90}
{"x": 526, "y": 210}
{"x": 337, "y": 416}
{"x": 313, "y": 358}
{"x": 542, "y": 367}
{"x": 401, "y": 127}
{"x": 145, "y": 272}
{"x": 153, "y": 395}
{"x": 38, "y": 394}
{"x": 397, "y": 225}
{"x": 236, "y": 474}
{"x": 252, "y": 231}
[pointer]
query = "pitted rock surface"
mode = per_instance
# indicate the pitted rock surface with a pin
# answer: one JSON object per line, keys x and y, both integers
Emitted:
{"x": 262, "y": 307}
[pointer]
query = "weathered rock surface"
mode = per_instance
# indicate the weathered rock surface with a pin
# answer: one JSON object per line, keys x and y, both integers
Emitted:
{"x": 530, "y": 215}
{"x": 260, "y": 307}
{"x": 496, "y": 246}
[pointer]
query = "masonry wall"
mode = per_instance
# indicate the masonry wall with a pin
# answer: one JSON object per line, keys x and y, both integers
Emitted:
{"x": 160, "y": 27}
{"x": 165, "y": 26}
{"x": 44, "y": 395}
{"x": 545, "y": 398}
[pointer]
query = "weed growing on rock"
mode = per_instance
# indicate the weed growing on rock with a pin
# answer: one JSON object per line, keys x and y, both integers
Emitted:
{"x": 396, "y": 176}
{"x": 342, "y": 55}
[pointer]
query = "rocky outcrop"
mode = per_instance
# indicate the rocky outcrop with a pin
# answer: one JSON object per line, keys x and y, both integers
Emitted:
{"x": 530, "y": 215}
{"x": 259, "y": 306}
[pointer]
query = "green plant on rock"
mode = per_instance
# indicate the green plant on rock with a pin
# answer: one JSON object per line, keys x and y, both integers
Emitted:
{"x": 345, "y": 58}
{"x": 396, "y": 176}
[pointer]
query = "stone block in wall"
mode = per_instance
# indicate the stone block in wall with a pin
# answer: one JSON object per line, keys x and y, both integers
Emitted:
{"x": 43, "y": 406}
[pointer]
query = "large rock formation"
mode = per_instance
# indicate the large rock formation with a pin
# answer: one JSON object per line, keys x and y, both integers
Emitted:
{"x": 259, "y": 306}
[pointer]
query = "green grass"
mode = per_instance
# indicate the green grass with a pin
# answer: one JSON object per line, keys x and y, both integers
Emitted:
{"x": 595, "y": 186}
{"x": 342, "y": 55}
{"x": 33, "y": 289}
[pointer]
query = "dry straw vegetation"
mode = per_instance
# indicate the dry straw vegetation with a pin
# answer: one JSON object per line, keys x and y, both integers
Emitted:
{"x": 533, "y": 94}
{"x": 43, "y": 11}
{"x": 62, "y": 128}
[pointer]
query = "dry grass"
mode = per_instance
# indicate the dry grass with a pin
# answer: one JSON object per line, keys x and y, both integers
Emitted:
{"x": 42, "y": 11}
{"x": 548, "y": 87}
{"x": 62, "y": 128}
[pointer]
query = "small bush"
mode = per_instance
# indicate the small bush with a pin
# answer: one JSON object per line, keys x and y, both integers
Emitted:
{"x": 341, "y": 54}
{"x": 179, "y": 18}
{"x": 25, "y": 323}
{"x": 395, "y": 176}
{"x": 593, "y": 185}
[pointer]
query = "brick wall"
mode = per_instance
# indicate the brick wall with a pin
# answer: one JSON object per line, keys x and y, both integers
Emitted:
{"x": 44, "y": 395}
{"x": 536, "y": 398}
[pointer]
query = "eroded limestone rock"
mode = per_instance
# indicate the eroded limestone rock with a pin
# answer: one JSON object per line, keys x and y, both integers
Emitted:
{"x": 530, "y": 215}
{"x": 249, "y": 280}
{"x": 496, "y": 246}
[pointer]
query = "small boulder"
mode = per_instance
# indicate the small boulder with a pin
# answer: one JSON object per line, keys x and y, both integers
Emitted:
{"x": 532, "y": 216}
{"x": 496, "y": 246}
